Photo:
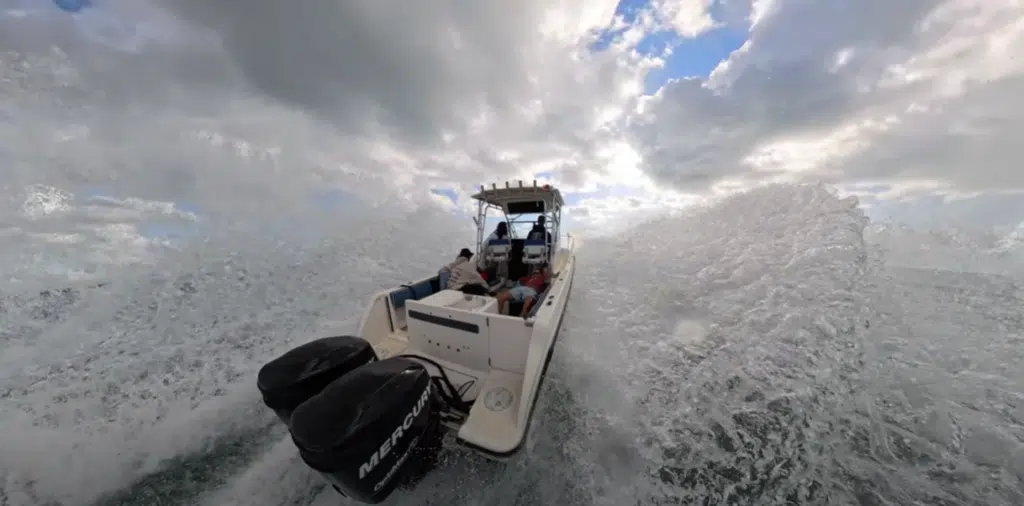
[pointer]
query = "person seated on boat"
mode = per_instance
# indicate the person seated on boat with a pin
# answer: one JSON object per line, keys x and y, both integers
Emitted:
{"x": 463, "y": 276}
{"x": 525, "y": 290}
{"x": 490, "y": 269}
{"x": 540, "y": 232}
{"x": 500, "y": 232}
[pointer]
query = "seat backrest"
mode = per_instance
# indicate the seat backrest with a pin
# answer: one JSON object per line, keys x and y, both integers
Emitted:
{"x": 442, "y": 279}
{"x": 498, "y": 249}
{"x": 499, "y": 244}
{"x": 535, "y": 251}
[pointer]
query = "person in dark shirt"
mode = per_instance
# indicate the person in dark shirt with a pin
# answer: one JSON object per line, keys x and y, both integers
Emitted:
{"x": 538, "y": 232}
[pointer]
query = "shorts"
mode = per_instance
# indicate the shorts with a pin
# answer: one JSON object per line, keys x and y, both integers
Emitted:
{"x": 520, "y": 293}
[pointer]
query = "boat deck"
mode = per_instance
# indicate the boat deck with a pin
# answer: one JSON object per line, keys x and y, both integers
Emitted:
{"x": 394, "y": 344}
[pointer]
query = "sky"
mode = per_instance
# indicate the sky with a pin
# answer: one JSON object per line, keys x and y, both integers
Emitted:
{"x": 632, "y": 108}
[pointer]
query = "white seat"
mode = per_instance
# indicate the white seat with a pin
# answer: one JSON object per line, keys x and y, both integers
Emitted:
{"x": 535, "y": 251}
{"x": 498, "y": 250}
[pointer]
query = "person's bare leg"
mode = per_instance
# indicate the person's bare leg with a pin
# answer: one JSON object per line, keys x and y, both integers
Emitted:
{"x": 502, "y": 298}
{"x": 527, "y": 302}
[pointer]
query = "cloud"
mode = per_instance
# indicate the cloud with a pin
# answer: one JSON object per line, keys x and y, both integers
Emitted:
{"x": 891, "y": 93}
{"x": 252, "y": 112}
{"x": 465, "y": 92}
{"x": 688, "y": 18}
{"x": 382, "y": 99}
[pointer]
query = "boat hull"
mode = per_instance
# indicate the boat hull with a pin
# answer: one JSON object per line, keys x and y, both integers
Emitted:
{"x": 497, "y": 362}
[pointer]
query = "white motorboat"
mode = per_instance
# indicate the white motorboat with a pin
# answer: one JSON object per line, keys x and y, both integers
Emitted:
{"x": 371, "y": 412}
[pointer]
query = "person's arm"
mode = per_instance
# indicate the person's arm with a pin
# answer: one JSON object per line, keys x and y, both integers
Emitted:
{"x": 478, "y": 279}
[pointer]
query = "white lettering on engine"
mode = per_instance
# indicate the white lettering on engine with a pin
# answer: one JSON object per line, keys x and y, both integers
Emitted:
{"x": 398, "y": 464}
{"x": 388, "y": 444}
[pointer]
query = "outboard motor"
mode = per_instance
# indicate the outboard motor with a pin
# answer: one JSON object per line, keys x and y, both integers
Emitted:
{"x": 371, "y": 430}
{"x": 304, "y": 371}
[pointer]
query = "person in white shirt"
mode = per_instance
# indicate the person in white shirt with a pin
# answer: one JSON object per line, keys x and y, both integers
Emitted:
{"x": 500, "y": 232}
{"x": 463, "y": 276}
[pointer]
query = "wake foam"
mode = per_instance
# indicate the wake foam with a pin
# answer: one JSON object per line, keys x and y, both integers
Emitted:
{"x": 123, "y": 381}
{"x": 939, "y": 419}
{"x": 735, "y": 332}
{"x": 984, "y": 252}
{"x": 278, "y": 476}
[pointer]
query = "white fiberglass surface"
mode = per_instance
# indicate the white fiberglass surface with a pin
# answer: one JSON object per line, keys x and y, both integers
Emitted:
{"x": 758, "y": 350}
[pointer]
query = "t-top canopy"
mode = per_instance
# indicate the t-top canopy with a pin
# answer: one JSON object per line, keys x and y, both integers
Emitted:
{"x": 522, "y": 199}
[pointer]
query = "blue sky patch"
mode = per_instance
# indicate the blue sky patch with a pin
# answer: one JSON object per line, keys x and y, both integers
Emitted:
{"x": 691, "y": 57}
{"x": 696, "y": 57}
{"x": 629, "y": 10}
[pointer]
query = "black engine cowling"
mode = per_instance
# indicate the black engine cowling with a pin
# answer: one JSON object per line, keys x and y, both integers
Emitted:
{"x": 304, "y": 371}
{"x": 372, "y": 429}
